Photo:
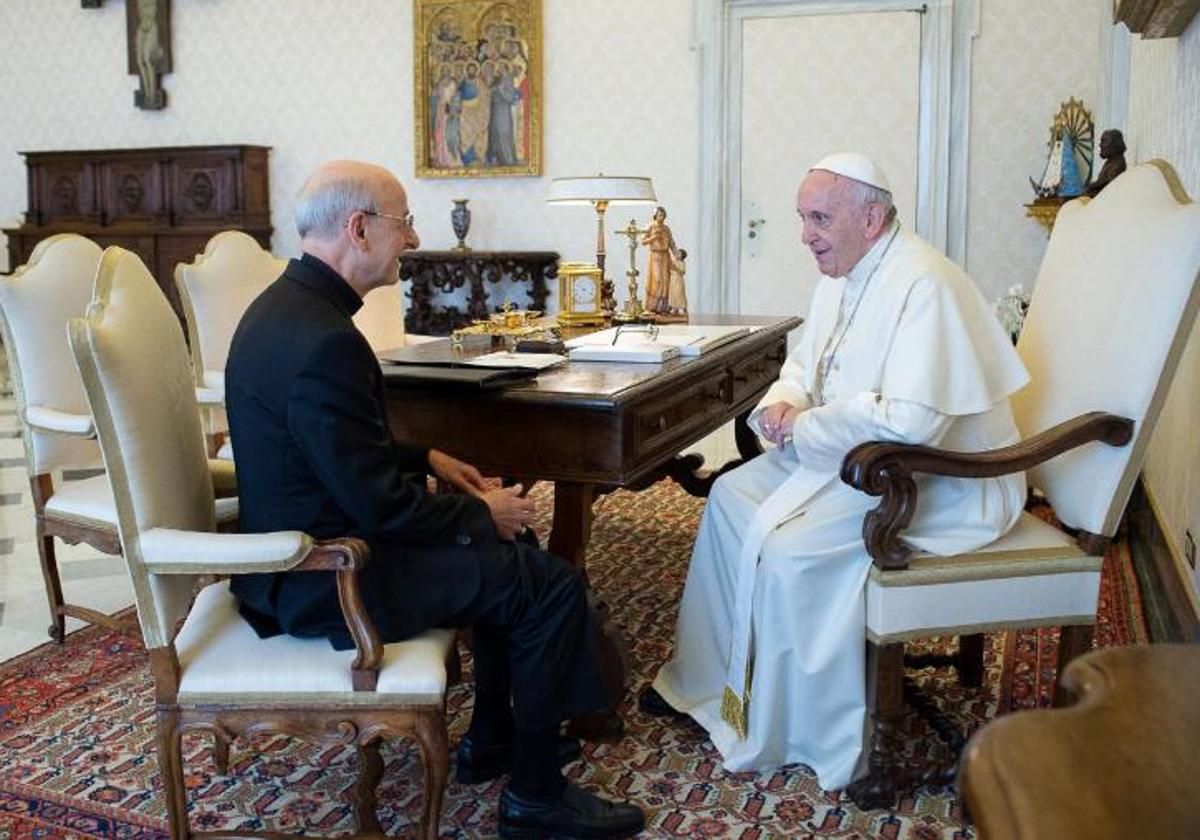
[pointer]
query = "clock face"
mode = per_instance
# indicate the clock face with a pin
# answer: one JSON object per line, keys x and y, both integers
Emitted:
{"x": 583, "y": 294}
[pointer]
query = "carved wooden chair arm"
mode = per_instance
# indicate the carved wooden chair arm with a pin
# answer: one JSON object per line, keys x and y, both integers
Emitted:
{"x": 346, "y": 556}
{"x": 881, "y": 468}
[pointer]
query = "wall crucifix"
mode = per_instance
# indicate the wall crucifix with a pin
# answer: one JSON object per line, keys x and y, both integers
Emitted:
{"x": 148, "y": 34}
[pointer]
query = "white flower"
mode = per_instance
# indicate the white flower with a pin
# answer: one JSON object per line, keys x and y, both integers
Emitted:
{"x": 1010, "y": 309}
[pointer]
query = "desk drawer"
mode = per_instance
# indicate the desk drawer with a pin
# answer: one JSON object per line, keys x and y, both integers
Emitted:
{"x": 671, "y": 421}
{"x": 750, "y": 375}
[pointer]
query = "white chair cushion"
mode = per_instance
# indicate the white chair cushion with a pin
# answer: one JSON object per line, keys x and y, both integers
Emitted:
{"x": 226, "y": 509}
{"x": 222, "y": 660}
{"x": 225, "y": 453}
{"x": 1034, "y": 576}
{"x": 88, "y": 501}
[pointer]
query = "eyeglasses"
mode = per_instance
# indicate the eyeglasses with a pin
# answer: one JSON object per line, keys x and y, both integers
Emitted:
{"x": 408, "y": 221}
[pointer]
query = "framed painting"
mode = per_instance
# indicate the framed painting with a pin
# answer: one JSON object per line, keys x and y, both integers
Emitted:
{"x": 477, "y": 71}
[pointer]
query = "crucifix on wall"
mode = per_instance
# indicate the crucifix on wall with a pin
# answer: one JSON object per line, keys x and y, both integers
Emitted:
{"x": 148, "y": 35}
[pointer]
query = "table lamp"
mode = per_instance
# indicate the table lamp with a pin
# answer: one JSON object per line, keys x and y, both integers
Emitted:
{"x": 600, "y": 191}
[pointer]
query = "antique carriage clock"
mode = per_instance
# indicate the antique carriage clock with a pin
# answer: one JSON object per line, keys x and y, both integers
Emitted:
{"x": 579, "y": 294}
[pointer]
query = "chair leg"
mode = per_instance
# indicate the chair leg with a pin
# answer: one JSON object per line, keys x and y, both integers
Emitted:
{"x": 1076, "y": 640}
{"x": 369, "y": 774}
{"x": 970, "y": 660}
{"x": 54, "y": 595}
{"x": 220, "y": 754}
{"x": 41, "y": 487}
{"x": 435, "y": 752}
{"x": 170, "y": 768}
{"x": 885, "y": 710}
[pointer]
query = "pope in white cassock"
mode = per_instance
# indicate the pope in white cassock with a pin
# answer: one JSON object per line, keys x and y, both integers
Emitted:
{"x": 899, "y": 345}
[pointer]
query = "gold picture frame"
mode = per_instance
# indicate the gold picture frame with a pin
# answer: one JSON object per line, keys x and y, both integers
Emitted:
{"x": 477, "y": 87}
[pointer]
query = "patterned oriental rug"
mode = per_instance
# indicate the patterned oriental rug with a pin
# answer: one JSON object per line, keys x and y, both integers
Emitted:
{"x": 77, "y": 728}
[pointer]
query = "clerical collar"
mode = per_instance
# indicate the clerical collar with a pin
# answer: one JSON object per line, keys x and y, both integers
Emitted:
{"x": 314, "y": 273}
{"x": 870, "y": 260}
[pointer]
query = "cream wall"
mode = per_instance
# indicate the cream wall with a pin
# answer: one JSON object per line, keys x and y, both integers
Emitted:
{"x": 313, "y": 81}
{"x": 322, "y": 78}
{"x": 1164, "y": 122}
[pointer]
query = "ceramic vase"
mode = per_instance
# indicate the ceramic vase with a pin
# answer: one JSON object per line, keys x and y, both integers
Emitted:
{"x": 460, "y": 218}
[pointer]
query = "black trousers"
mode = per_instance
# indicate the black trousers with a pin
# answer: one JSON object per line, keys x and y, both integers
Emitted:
{"x": 529, "y": 619}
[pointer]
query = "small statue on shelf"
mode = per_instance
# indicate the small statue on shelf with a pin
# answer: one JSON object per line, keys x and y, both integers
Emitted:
{"x": 1112, "y": 149}
{"x": 665, "y": 293}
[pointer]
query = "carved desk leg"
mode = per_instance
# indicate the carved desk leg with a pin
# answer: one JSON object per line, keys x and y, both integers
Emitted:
{"x": 572, "y": 526}
{"x": 568, "y": 539}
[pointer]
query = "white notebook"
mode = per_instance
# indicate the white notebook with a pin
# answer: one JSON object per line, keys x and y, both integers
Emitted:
{"x": 624, "y": 351}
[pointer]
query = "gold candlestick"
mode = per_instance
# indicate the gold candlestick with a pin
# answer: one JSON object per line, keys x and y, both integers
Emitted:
{"x": 633, "y": 310}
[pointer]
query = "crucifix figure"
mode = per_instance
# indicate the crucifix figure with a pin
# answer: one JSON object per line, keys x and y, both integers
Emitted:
{"x": 148, "y": 31}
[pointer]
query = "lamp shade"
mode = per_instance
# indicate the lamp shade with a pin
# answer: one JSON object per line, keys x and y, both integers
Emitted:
{"x": 588, "y": 190}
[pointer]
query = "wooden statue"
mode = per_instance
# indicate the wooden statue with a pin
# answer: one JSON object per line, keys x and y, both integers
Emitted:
{"x": 1112, "y": 149}
{"x": 665, "y": 292}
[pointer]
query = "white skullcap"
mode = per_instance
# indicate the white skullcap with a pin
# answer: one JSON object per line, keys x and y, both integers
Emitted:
{"x": 854, "y": 166}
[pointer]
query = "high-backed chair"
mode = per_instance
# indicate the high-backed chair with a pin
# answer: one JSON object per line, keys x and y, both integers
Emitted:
{"x": 381, "y": 319}
{"x": 215, "y": 290}
{"x": 35, "y": 304}
{"x": 214, "y": 674}
{"x": 1114, "y": 302}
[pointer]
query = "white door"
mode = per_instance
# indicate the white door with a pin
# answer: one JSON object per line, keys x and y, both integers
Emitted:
{"x": 812, "y": 84}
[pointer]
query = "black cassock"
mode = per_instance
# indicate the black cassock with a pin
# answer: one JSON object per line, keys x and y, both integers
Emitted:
{"x": 308, "y": 422}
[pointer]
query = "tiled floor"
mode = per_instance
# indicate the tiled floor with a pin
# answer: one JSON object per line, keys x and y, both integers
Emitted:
{"x": 89, "y": 578}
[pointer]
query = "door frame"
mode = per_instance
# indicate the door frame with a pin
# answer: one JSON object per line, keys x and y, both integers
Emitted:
{"x": 948, "y": 29}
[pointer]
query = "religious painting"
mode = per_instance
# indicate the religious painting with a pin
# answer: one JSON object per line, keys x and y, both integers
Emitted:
{"x": 477, "y": 69}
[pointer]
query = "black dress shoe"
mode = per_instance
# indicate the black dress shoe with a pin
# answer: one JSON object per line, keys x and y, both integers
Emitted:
{"x": 483, "y": 762}
{"x": 575, "y": 815}
{"x": 653, "y": 703}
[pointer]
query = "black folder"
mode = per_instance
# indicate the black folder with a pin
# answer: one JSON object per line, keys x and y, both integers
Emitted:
{"x": 457, "y": 377}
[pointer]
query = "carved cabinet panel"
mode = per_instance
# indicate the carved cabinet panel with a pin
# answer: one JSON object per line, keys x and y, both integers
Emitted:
{"x": 162, "y": 203}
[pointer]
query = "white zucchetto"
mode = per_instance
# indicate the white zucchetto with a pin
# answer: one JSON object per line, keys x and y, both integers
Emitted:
{"x": 854, "y": 166}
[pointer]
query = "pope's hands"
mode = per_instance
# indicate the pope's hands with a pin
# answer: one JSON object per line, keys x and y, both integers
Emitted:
{"x": 458, "y": 474}
{"x": 511, "y": 511}
{"x": 776, "y": 422}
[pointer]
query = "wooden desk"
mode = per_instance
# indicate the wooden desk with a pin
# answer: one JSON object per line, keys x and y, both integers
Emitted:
{"x": 591, "y": 426}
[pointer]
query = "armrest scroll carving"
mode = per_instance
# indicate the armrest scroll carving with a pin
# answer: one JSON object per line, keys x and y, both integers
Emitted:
{"x": 345, "y": 557}
{"x": 881, "y": 468}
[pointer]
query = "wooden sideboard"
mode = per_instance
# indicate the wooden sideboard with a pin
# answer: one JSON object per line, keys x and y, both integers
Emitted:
{"x": 164, "y": 204}
{"x": 433, "y": 272}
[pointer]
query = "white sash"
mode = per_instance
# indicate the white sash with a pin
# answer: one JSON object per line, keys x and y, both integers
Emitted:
{"x": 787, "y": 499}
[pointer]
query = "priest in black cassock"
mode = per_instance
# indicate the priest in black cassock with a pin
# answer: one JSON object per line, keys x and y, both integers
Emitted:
{"x": 308, "y": 422}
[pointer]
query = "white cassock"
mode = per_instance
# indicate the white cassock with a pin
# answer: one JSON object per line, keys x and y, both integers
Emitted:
{"x": 771, "y": 632}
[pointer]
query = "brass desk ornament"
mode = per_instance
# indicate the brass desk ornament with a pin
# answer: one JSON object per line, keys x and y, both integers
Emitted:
{"x": 633, "y": 311}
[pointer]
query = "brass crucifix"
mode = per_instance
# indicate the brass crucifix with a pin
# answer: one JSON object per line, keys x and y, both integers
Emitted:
{"x": 148, "y": 33}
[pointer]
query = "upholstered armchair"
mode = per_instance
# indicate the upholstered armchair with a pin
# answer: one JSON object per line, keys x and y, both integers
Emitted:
{"x": 1115, "y": 300}
{"x": 215, "y": 290}
{"x": 35, "y": 305}
{"x": 212, "y": 673}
